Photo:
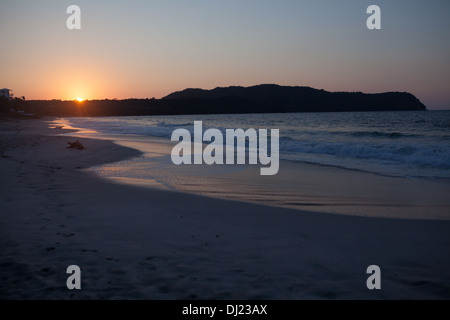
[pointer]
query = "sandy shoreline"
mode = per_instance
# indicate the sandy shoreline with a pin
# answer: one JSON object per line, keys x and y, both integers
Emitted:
{"x": 136, "y": 243}
{"x": 301, "y": 186}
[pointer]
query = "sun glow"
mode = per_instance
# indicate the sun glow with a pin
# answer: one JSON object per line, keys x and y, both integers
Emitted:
{"x": 80, "y": 99}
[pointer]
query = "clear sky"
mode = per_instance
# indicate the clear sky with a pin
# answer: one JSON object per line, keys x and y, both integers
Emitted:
{"x": 139, "y": 49}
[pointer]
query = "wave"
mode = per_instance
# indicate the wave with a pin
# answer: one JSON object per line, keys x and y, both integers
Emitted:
{"x": 174, "y": 125}
{"x": 419, "y": 144}
{"x": 422, "y": 155}
{"x": 378, "y": 134}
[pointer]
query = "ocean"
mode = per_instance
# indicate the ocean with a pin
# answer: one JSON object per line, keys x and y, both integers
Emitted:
{"x": 412, "y": 144}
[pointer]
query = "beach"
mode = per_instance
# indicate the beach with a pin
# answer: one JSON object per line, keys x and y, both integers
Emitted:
{"x": 133, "y": 242}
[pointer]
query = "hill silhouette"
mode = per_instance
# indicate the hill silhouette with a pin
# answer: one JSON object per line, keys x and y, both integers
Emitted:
{"x": 301, "y": 99}
{"x": 257, "y": 99}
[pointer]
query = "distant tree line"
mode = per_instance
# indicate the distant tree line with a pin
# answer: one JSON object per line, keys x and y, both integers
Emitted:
{"x": 257, "y": 99}
{"x": 10, "y": 107}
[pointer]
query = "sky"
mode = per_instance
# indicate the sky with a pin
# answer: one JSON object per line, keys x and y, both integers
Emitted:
{"x": 145, "y": 48}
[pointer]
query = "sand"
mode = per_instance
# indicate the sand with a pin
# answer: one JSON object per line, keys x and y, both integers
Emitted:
{"x": 144, "y": 243}
{"x": 302, "y": 186}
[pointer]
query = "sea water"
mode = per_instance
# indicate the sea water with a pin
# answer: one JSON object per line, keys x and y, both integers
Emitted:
{"x": 412, "y": 144}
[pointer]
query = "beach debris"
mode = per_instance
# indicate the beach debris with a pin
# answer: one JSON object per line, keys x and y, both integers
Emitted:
{"x": 77, "y": 145}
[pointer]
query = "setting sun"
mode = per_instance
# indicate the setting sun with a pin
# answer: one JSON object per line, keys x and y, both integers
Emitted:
{"x": 80, "y": 99}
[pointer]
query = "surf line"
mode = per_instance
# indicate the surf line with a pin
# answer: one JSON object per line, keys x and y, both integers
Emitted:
{"x": 236, "y": 141}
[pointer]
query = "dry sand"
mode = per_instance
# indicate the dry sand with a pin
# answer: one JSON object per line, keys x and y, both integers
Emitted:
{"x": 141, "y": 243}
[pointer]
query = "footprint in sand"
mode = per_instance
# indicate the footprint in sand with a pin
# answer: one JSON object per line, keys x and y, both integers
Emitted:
{"x": 68, "y": 235}
{"x": 113, "y": 259}
{"x": 44, "y": 271}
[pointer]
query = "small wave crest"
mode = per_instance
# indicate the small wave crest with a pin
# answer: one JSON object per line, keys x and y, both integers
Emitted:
{"x": 423, "y": 155}
{"x": 379, "y": 134}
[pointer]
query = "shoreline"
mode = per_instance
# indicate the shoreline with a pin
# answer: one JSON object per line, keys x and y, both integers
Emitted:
{"x": 142, "y": 243}
{"x": 299, "y": 186}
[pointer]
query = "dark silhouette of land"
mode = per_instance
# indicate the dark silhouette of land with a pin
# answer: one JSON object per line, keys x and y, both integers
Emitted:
{"x": 257, "y": 99}
{"x": 275, "y": 98}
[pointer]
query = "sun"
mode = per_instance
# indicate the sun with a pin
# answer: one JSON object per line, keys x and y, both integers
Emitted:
{"x": 80, "y": 99}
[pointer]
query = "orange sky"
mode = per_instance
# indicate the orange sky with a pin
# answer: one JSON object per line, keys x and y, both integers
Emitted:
{"x": 141, "y": 49}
